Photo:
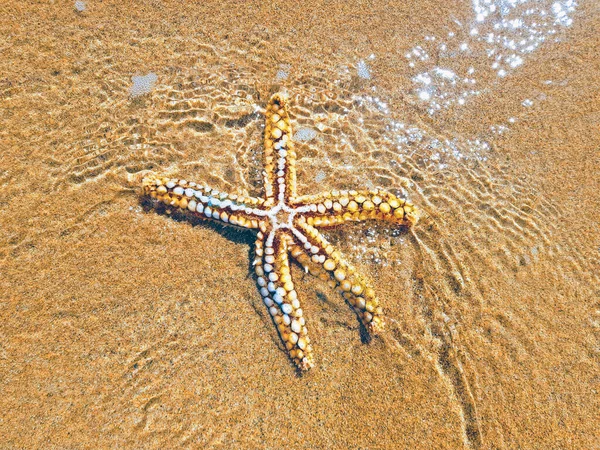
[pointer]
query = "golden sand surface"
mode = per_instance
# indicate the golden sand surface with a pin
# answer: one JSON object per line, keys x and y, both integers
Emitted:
{"x": 124, "y": 328}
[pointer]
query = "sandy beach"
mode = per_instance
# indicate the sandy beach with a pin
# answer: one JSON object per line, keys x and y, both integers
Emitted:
{"x": 123, "y": 327}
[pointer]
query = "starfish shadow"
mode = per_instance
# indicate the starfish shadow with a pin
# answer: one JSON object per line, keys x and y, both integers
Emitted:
{"x": 323, "y": 297}
{"x": 237, "y": 235}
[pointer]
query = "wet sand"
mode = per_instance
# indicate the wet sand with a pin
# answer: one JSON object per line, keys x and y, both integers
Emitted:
{"x": 124, "y": 328}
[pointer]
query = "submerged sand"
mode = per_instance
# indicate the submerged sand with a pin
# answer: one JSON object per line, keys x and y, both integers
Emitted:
{"x": 124, "y": 328}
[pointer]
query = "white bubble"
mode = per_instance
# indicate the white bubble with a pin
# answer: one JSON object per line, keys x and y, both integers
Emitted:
{"x": 514, "y": 60}
{"x": 445, "y": 73}
{"x": 423, "y": 78}
{"x": 305, "y": 134}
{"x": 142, "y": 84}
{"x": 424, "y": 95}
{"x": 363, "y": 70}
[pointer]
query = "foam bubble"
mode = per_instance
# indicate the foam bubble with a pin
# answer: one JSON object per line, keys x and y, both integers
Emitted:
{"x": 305, "y": 134}
{"x": 142, "y": 84}
{"x": 363, "y": 70}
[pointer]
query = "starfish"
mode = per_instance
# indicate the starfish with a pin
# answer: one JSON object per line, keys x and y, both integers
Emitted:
{"x": 287, "y": 224}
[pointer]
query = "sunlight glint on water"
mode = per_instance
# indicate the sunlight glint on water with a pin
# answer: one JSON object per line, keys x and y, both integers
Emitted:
{"x": 499, "y": 38}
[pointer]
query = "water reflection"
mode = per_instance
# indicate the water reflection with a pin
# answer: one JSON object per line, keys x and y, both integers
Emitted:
{"x": 498, "y": 39}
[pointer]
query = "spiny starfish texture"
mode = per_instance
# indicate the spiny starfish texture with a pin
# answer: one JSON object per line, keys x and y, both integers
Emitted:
{"x": 287, "y": 225}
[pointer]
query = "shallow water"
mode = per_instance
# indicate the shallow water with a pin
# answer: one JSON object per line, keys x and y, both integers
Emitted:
{"x": 126, "y": 328}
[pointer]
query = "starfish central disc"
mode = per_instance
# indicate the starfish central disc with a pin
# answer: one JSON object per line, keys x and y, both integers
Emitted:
{"x": 282, "y": 216}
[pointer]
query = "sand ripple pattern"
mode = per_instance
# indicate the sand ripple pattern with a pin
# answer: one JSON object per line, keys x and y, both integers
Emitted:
{"x": 205, "y": 121}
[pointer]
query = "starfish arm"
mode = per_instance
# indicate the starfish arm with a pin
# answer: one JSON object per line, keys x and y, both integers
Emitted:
{"x": 205, "y": 202}
{"x": 280, "y": 156}
{"x": 277, "y": 289}
{"x": 313, "y": 251}
{"x": 335, "y": 207}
